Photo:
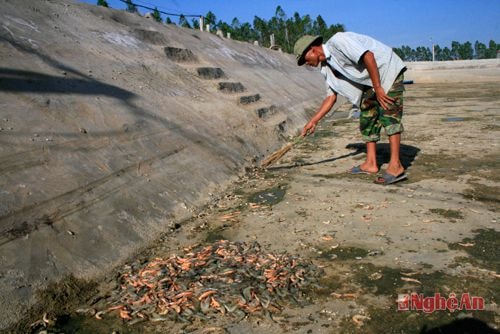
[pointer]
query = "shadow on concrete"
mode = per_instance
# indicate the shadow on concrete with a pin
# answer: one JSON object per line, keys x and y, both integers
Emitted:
{"x": 46, "y": 59}
{"x": 462, "y": 326}
{"x": 26, "y": 81}
{"x": 300, "y": 164}
{"x": 34, "y": 82}
{"x": 407, "y": 153}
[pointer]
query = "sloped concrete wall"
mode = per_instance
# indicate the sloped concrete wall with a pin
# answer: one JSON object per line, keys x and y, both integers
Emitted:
{"x": 114, "y": 127}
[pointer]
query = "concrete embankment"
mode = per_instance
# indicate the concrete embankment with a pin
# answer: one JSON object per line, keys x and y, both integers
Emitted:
{"x": 483, "y": 70}
{"x": 115, "y": 128}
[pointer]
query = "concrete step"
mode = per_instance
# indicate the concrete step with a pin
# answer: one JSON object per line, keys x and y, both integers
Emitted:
{"x": 248, "y": 99}
{"x": 231, "y": 87}
{"x": 266, "y": 112}
{"x": 180, "y": 55}
{"x": 210, "y": 72}
{"x": 150, "y": 36}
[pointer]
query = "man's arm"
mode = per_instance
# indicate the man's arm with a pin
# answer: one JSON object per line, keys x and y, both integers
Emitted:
{"x": 372, "y": 68}
{"x": 323, "y": 110}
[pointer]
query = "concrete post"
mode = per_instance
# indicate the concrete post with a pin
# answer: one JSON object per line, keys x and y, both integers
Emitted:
{"x": 228, "y": 35}
{"x": 202, "y": 22}
{"x": 207, "y": 28}
{"x": 272, "y": 40}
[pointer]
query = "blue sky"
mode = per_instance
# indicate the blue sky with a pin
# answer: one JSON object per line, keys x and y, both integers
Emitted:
{"x": 394, "y": 22}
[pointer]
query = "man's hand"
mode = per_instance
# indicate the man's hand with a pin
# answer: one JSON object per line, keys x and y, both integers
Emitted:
{"x": 309, "y": 128}
{"x": 372, "y": 68}
{"x": 382, "y": 98}
{"x": 327, "y": 104}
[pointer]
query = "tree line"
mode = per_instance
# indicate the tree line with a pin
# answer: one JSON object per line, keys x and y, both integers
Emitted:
{"x": 455, "y": 52}
{"x": 287, "y": 30}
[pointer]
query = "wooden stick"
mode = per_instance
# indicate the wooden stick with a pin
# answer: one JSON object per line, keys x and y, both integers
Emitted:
{"x": 275, "y": 156}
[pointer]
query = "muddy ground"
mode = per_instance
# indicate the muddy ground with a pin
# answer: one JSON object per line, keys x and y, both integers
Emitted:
{"x": 436, "y": 232}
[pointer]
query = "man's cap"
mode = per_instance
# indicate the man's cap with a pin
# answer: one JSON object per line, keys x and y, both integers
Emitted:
{"x": 303, "y": 44}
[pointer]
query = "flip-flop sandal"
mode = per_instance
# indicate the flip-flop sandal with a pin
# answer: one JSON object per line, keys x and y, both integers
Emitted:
{"x": 358, "y": 170}
{"x": 390, "y": 179}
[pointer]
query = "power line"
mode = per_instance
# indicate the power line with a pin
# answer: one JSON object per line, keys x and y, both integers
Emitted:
{"x": 152, "y": 5}
{"x": 168, "y": 14}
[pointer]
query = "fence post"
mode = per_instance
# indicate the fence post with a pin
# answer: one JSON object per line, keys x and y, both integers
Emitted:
{"x": 202, "y": 22}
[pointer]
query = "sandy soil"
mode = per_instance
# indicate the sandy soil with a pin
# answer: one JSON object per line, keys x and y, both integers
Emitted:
{"x": 436, "y": 232}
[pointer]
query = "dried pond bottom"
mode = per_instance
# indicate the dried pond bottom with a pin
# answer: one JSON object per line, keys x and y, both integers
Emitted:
{"x": 233, "y": 278}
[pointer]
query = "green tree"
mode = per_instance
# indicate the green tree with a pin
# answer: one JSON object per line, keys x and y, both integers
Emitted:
{"x": 437, "y": 52}
{"x": 247, "y": 33}
{"x": 455, "y": 46}
{"x": 286, "y": 30}
{"x": 235, "y": 24}
{"x": 446, "y": 54}
{"x": 195, "y": 24}
{"x": 131, "y": 8}
{"x": 303, "y": 24}
{"x": 399, "y": 52}
{"x": 479, "y": 50}
{"x": 224, "y": 27}
{"x": 102, "y": 3}
{"x": 317, "y": 27}
{"x": 183, "y": 22}
{"x": 465, "y": 51}
{"x": 335, "y": 28}
{"x": 156, "y": 15}
{"x": 211, "y": 19}
{"x": 300, "y": 26}
{"x": 320, "y": 28}
{"x": 169, "y": 21}
{"x": 493, "y": 47}
{"x": 423, "y": 54}
{"x": 278, "y": 26}
{"x": 262, "y": 30}
{"x": 406, "y": 53}
{"x": 236, "y": 29}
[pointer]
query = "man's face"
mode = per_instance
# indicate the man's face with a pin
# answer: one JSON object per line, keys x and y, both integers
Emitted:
{"x": 312, "y": 57}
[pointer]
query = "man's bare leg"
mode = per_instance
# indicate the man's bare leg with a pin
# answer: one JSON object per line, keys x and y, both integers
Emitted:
{"x": 395, "y": 167}
{"x": 370, "y": 164}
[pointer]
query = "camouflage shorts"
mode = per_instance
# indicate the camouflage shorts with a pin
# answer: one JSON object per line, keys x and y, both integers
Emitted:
{"x": 373, "y": 117}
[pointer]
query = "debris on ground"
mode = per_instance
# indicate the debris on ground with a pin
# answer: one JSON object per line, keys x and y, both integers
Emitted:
{"x": 226, "y": 277}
